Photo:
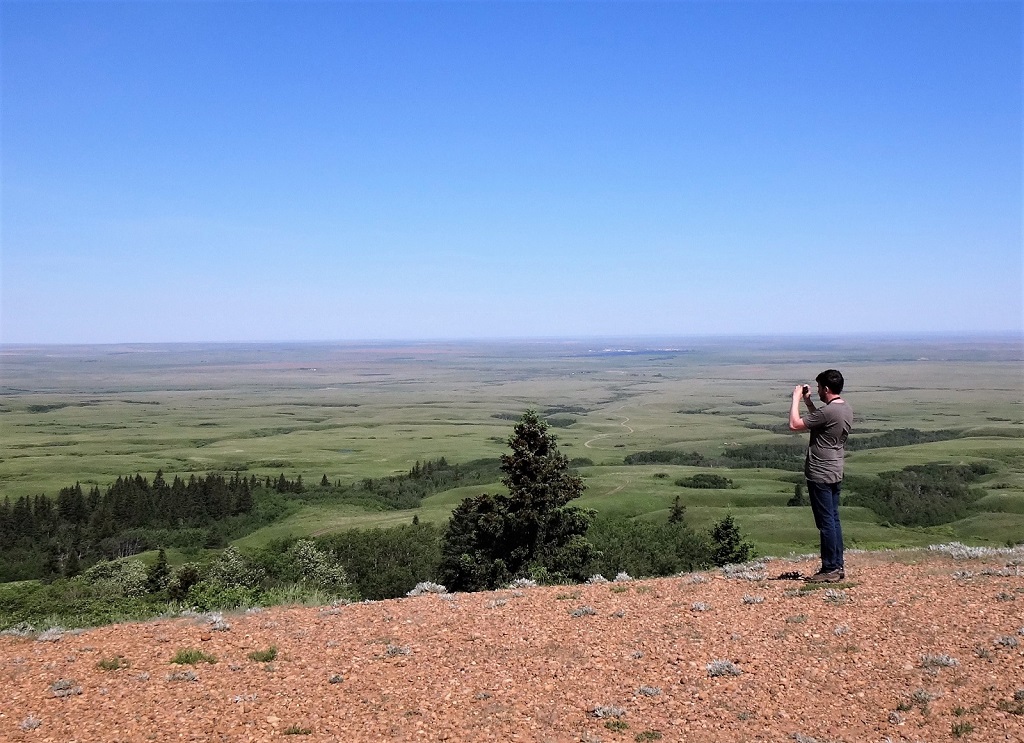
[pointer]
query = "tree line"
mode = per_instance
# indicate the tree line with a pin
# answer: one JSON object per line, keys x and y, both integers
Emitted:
{"x": 532, "y": 532}
{"x": 47, "y": 537}
{"x": 920, "y": 495}
{"x": 788, "y": 455}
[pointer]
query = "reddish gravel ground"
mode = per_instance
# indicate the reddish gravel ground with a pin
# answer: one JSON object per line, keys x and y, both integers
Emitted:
{"x": 863, "y": 662}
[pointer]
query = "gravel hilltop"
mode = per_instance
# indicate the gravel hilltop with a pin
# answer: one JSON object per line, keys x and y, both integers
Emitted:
{"x": 914, "y": 646}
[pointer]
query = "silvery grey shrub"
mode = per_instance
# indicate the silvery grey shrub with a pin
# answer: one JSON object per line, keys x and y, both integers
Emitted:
{"x": 317, "y": 567}
{"x": 600, "y": 712}
{"x": 426, "y": 587}
{"x": 938, "y": 660}
{"x": 182, "y": 676}
{"x": 523, "y": 583}
{"x": 65, "y": 688}
{"x": 232, "y": 569}
{"x": 834, "y": 596}
{"x": 723, "y": 668}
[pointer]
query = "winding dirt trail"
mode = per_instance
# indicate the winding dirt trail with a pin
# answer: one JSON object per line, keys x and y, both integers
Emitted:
{"x": 624, "y": 424}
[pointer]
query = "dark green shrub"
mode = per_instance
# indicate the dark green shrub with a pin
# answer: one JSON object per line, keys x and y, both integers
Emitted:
{"x": 645, "y": 548}
{"x": 704, "y": 480}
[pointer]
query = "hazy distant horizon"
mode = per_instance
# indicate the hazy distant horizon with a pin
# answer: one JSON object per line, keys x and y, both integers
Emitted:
{"x": 642, "y": 341}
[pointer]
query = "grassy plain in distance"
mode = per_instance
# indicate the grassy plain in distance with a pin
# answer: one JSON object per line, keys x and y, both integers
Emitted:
{"x": 351, "y": 411}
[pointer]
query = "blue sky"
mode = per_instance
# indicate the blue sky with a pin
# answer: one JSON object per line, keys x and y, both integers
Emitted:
{"x": 231, "y": 171}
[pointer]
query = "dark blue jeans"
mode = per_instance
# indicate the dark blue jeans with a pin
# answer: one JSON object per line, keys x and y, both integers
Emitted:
{"x": 825, "y": 507}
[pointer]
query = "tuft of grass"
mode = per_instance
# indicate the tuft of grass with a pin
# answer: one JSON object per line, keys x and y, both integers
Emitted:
{"x": 264, "y": 656}
{"x": 617, "y": 726}
{"x": 648, "y": 735}
{"x": 922, "y": 696}
{"x": 296, "y": 730}
{"x": 584, "y": 611}
{"x": 962, "y": 728}
{"x": 1016, "y": 707}
{"x": 112, "y": 664}
{"x": 191, "y": 656}
{"x": 797, "y": 619}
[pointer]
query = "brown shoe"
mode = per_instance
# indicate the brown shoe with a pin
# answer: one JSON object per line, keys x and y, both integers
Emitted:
{"x": 833, "y": 576}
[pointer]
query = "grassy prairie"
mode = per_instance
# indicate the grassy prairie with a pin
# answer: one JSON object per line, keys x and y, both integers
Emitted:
{"x": 90, "y": 414}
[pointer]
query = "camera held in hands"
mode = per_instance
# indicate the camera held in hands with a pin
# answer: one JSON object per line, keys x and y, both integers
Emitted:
{"x": 807, "y": 390}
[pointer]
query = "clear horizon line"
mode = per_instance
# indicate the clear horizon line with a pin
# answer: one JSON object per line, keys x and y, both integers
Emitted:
{"x": 864, "y": 335}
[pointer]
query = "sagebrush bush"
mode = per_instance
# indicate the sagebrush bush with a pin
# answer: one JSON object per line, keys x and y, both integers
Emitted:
{"x": 938, "y": 660}
{"x": 426, "y": 587}
{"x": 317, "y": 567}
{"x": 723, "y": 668}
{"x": 232, "y": 569}
{"x": 123, "y": 577}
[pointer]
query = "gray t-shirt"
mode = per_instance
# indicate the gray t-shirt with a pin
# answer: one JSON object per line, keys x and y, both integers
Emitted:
{"x": 829, "y": 426}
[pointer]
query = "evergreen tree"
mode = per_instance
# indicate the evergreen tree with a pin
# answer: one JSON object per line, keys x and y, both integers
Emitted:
{"x": 728, "y": 547}
{"x": 243, "y": 498}
{"x": 159, "y": 574}
{"x": 678, "y": 512}
{"x": 492, "y": 538}
{"x": 798, "y": 496}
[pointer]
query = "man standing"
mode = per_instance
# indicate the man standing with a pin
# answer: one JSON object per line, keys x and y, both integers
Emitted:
{"x": 823, "y": 465}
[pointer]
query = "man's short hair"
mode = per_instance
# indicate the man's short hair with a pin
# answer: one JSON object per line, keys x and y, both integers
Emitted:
{"x": 832, "y": 380}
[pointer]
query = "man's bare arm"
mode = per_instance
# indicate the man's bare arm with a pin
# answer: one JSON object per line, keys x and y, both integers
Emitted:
{"x": 796, "y": 423}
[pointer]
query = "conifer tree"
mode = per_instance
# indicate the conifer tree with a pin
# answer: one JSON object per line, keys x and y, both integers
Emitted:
{"x": 729, "y": 548}
{"x": 493, "y": 538}
{"x": 678, "y": 512}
